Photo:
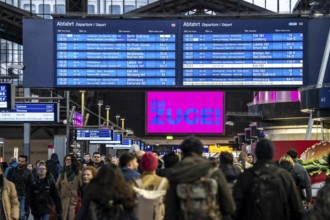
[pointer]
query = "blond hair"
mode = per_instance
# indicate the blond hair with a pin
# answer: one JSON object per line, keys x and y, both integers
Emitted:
{"x": 286, "y": 158}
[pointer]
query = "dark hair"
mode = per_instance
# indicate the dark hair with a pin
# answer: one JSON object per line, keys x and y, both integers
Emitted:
{"x": 292, "y": 153}
{"x": 4, "y": 165}
{"x": 251, "y": 156}
{"x": 265, "y": 150}
{"x": 96, "y": 153}
{"x": 125, "y": 158}
{"x": 191, "y": 145}
{"x": 109, "y": 184}
{"x": 74, "y": 161}
{"x": 226, "y": 158}
{"x": 23, "y": 156}
{"x": 170, "y": 159}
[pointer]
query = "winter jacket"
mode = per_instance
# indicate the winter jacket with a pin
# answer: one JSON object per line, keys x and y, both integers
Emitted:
{"x": 150, "y": 181}
{"x": 245, "y": 183}
{"x": 306, "y": 183}
{"x": 11, "y": 165}
{"x": 130, "y": 174}
{"x": 191, "y": 169}
{"x": 42, "y": 191}
{"x": 69, "y": 195}
{"x": 9, "y": 200}
{"x": 22, "y": 178}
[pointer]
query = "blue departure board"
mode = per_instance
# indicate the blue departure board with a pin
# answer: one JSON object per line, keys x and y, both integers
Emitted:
{"x": 174, "y": 53}
{"x": 31, "y": 113}
{"x": 93, "y": 135}
{"x": 115, "y": 53}
{"x": 116, "y": 139}
{"x": 243, "y": 52}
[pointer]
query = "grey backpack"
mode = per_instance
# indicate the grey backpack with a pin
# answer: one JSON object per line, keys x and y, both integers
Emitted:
{"x": 198, "y": 199}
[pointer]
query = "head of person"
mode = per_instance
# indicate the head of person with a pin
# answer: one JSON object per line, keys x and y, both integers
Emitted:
{"x": 30, "y": 166}
{"x": 286, "y": 160}
{"x": 226, "y": 158}
{"x": 42, "y": 171}
{"x": 54, "y": 156}
{"x": 135, "y": 149}
{"x": 88, "y": 173}
{"x": 170, "y": 160}
{"x": 128, "y": 160}
{"x": 22, "y": 161}
{"x": 70, "y": 160}
{"x": 4, "y": 165}
{"x": 192, "y": 145}
{"x": 109, "y": 184}
{"x": 96, "y": 158}
{"x": 115, "y": 161}
{"x": 264, "y": 150}
{"x": 292, "y": 153}
{"x": 149, "y": 162}
{"x": 40, "y": 162}
{"x": 242, "y": 156}
{"x": 250, "y": 158}
{"x": 12, "y": 160}
{"x": 87, "y": 158}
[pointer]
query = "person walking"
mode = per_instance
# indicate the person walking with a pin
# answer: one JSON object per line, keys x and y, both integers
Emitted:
{"x": 266, "y": 191}
{"x": 21, "y": 176}
{"x": 194, "y": 168}
{"x": 68, "y": 183}
{"x": 108, "y": 196}
{"x": 9, "y": 205}
{"x": 43, "y": 194}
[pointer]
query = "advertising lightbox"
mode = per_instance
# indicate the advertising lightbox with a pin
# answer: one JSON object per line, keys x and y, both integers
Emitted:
{"x": 185, "y": 112}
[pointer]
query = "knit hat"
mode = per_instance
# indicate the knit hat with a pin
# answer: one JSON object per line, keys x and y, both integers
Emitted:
{"x": 149, "y": 162}
{"x": 264, "y": 150}
{"x": 135, "y": 149}
{"x": 292, "y": 153}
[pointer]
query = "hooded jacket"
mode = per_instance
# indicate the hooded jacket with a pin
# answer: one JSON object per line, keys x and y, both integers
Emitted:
{"x": 191, "y": 169}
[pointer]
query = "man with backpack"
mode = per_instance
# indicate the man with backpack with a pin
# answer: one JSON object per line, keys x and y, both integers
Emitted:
{"x": 197, "y": 190}
{"x": 265, "y": 191}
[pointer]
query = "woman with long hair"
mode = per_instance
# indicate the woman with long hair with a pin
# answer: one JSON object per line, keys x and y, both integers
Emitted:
{"x": 108, "y": 196}
{"x": 68, "y": 183}
{"x": 88, "y": 173}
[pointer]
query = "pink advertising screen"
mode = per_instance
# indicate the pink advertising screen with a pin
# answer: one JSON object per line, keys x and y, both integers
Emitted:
{"x": 185, "y": 112}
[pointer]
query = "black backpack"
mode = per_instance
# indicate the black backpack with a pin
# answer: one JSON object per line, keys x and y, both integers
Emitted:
{"x": 98, "y": 211}
{"x": 267, "y": 198}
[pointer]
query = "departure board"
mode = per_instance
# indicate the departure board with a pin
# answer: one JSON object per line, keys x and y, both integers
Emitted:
{"x": 242, "y": 52}
{"x": 115, "y": 53}
{"x": 174, "y": 53}
{"x": 93, "y": 135}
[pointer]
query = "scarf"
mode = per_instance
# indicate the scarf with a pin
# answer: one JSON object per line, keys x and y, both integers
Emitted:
{"x": 69, "y": 173}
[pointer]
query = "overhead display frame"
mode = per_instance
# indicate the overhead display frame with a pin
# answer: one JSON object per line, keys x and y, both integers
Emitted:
{"x": 115, "y": 53}
{"x": 175, "y": 53}
{"x": 243, "y": 52}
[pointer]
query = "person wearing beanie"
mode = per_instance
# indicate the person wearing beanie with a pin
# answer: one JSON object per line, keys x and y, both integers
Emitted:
{"x": 193, "y": 167}
{"x": 149, "y": 180}
{"x": 268, "y": 170}
{"x": 302, "y": 173}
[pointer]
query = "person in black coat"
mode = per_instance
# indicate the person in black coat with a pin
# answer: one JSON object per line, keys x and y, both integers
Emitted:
{"x": 43, "y": 190}
{"x": 284, "y": 205}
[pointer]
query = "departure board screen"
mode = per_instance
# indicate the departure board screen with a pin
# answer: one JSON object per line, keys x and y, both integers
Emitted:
{"x": 250, "y": 52}
{"x": 115, "y": 53}
{"x": 186, "y": 53}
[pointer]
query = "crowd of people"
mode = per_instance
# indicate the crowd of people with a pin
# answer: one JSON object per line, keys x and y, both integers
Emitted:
{"x": 143, "y": 185}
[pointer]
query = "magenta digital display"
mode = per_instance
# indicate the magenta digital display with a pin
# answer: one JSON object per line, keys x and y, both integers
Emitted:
{"x": 185, "y": 112}
{"x": 77, "y": 120}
